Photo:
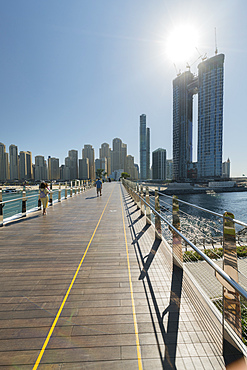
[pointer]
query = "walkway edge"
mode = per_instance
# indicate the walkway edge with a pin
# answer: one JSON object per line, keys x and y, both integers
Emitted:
{"x": 68, "y": 291}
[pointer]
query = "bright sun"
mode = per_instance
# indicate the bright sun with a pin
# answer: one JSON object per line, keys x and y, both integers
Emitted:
{"x": 181, "y": 43}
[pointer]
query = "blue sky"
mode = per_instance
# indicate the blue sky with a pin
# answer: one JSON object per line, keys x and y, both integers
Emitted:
{"x": 82, "y": 72}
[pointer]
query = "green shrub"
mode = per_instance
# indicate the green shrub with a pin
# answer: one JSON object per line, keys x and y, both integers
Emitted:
{"x": 215, "y": 254}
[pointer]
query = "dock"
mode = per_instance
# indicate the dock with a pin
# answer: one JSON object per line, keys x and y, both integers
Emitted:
{"x": 72, "y": 297}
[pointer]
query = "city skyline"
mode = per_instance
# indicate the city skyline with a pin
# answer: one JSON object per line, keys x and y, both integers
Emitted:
{"x": 19, "y": 165}
{"x": 84, "y": 73}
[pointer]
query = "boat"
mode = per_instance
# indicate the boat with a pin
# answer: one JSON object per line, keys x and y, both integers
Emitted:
{"x": 11, "y": 190}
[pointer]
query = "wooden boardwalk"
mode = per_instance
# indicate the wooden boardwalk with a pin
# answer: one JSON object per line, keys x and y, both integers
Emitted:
{"x": 70, "y": 297}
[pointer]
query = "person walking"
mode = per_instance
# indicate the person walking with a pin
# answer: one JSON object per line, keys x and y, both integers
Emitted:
{"x": 43, "y": 196}
{"x": 98, "y": 187}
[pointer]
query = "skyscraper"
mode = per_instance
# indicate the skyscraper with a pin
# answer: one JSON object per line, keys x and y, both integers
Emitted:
{"x": 13, "y": 162}
{"x": 182, "y": 124}
{"x": 40, "y": 168}
{"x": 26, "y": 166}
{"x": 116, "y": 154}
{"x": 131, "y": 168}
{"x": 159, "y": 164}
{"x": 210, "y": 117}
{"x": 105, "y": 152}
{"x": 2, "y": 162}
{"x": 144, "y": 148}
{"x": 53, "y": 168}
{"x": 209, "y": 86}
{"x": 88, "y": 152}
{"x": 73, "y": 155}
{"x": 84, "y": 169}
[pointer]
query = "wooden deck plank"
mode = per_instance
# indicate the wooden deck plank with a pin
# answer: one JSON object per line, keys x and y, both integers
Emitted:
{"x": 39, "y": 256}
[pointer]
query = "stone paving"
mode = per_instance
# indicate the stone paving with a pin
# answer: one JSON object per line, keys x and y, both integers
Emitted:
{"x": 71, "y": 298}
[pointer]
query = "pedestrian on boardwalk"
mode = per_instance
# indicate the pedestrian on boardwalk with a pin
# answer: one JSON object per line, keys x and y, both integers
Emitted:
{"x": 98, "y": 187}
{"x": 43, "y": 196}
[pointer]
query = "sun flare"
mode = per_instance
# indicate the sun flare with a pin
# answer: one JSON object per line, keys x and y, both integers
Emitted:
{"x": 181, "y": 43}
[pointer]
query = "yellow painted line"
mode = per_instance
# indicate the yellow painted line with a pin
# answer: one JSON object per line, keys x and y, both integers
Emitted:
{"x": 138, "y": 348}
{"x": 67, "y": 293}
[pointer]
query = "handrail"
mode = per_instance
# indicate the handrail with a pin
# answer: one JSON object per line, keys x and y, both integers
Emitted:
{"x": 205, "y": 210}
{"x": 221, "y": 272}
{"x": 25, "y": 199}
{"x": 34, "y": 195}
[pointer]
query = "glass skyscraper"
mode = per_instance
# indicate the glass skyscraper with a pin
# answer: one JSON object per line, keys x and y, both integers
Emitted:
{"x": 209, "y": 86}
{"x": 182, "y": 124}
{"x": 144, "y": 149}
{"x": 210, "y": 117}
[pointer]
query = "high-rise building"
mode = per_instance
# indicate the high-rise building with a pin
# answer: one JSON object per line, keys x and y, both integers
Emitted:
{"x": 169, "y": 169}
{"x": 144, "y": 149}
{"x": 101, "y": 164}
{"x": 159, "y": 164}
{"x": 25, "y": 165}
{"x": 182, "y": 124}
{"x": 131, "y": 168}
{"x": 209, "y": 86}
{"x": 210, "y": 117}
{"x": 40, "y": 168}
{"x": 73, "y": 155}
{"x": 66, "y": 169}
{"x": 84, "y": 169}
{"x": 2, "y": 162}
{"x": 226, "y": 169}
{"x": 105, "y": 152}
{"x": 88, "y": 152}
{"x": 53, "y": 168}
{"x": 116, "y": 154}
{"x": 123, "y": 156}
{"x": 7, "y": 169}
{"x": 13, "y": 162}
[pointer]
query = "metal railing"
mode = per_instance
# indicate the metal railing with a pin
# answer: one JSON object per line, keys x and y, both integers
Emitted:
{"x": 24, "y": 204}
{"x": 233, "y": 296}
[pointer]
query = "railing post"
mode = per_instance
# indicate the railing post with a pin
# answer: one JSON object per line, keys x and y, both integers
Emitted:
{"x": 59, "y": 193}
{"x": 71, "y": 188}
{"x": 24, "y": 203}
{"x": 231, "y": 299}
{"x": 1, "y": 207}
{"x": 177, "y": 244}
{"x": 157, "y": 218}
{"x": 138, "y": 201}
{"x": 148, "y": 211}
{"x": 50, "y": 200}
{"x": 66, "y": 191}
{"x": 142, "y": 203}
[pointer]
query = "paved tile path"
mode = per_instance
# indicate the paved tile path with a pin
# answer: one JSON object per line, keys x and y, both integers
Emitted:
{"x": 70, "y": 297}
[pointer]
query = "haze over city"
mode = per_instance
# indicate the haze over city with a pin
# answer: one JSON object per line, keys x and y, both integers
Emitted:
{"x": 76, "y": 73}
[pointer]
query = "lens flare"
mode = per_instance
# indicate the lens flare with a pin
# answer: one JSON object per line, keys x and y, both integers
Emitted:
{"x": 181, "y": 43}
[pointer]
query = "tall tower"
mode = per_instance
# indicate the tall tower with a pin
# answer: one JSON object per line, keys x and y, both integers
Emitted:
{"x": 148, "y": 153}
{"x": 116, "y": 154}
{"x": 73, "y": 155}
{"x": 40, "y": 168}
{"x": 13, "y": 162}
{"x": 2, "y": 162}
{"x": 26, "y": 166}
{"x": 210, "y": 117}
{"x": 53, "y": 168}
{"x": 182, "y": 124}
{"x": 88, "y": 152}
{"x": 144, "y": 149}
{"x": 159, "y": 164}
{"x": 105, "y": 152}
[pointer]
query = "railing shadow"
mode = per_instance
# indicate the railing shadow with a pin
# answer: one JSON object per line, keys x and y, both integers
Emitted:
{"x": 21, "y": 219}
{"x": 169, "y": 335}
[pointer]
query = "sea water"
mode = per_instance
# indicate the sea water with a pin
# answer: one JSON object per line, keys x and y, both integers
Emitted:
{"x": 13, "y": 209}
